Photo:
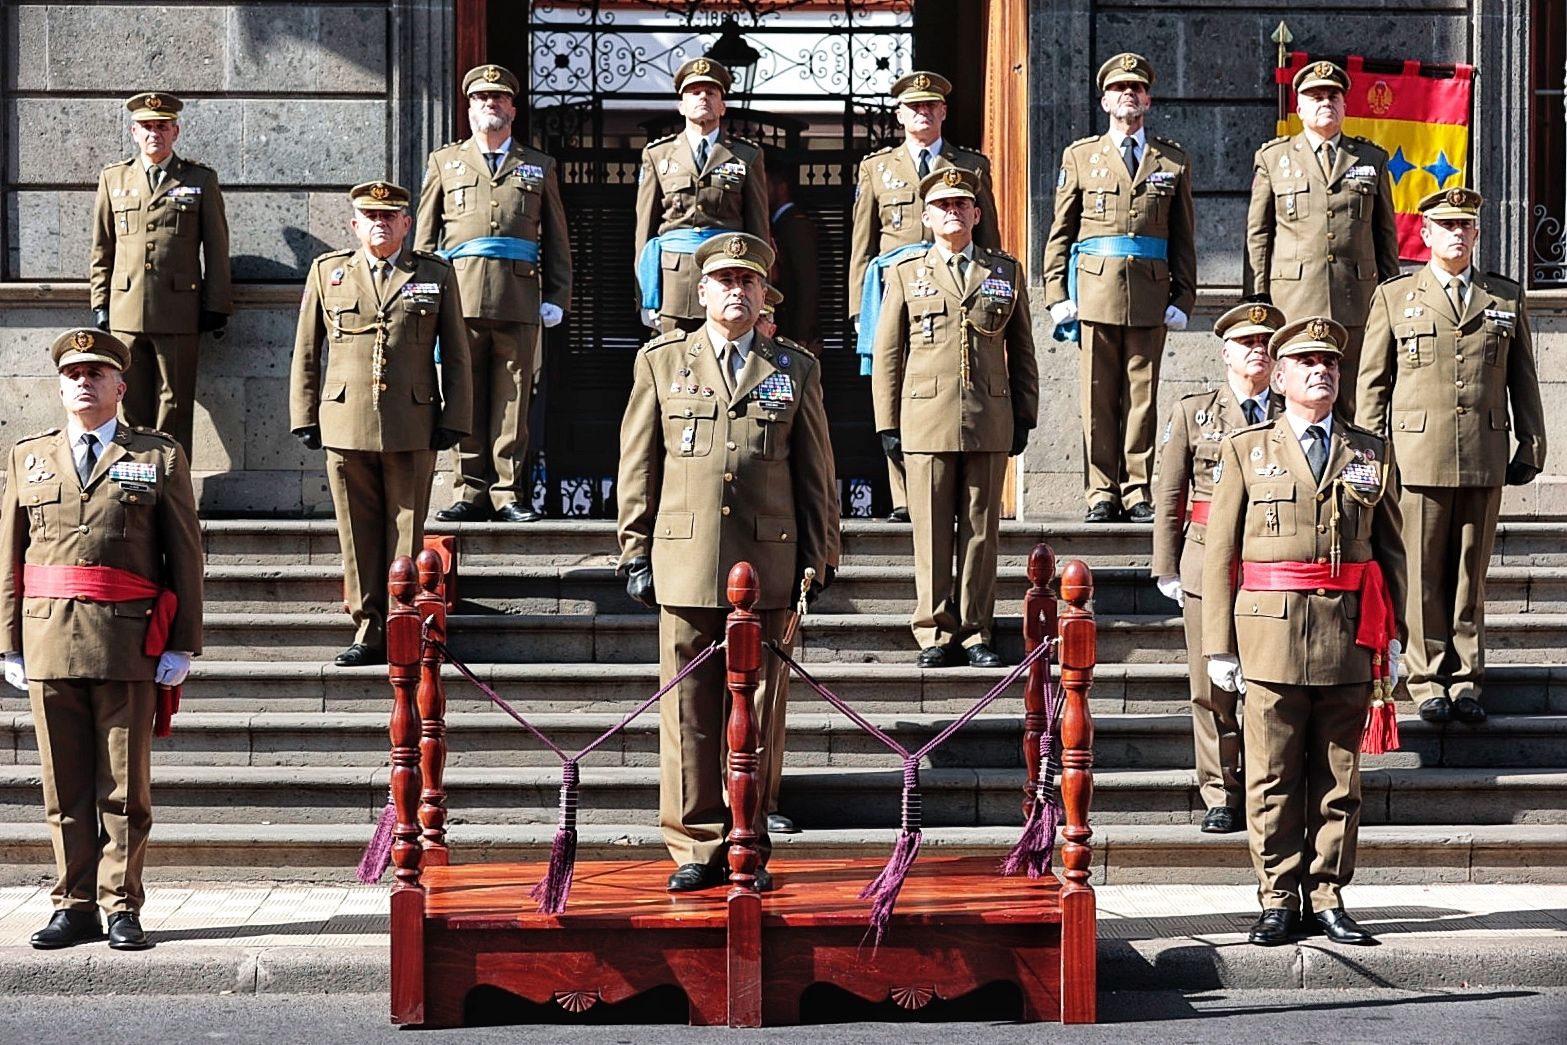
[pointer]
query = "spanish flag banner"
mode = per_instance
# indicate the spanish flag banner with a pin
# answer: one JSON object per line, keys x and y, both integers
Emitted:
{"x": 1421, "y": 120}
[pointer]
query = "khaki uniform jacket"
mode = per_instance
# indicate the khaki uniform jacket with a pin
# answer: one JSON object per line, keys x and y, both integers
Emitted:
{"x": 1447, "y": 393}
{"x": 887, "y": 206}
{"x": 159, "y": 258}
{"x": 1267, "y": 508}
{"x": 461, "y": 201}
{"x": 1316, "y": 245}
{"x": 729, "y": 193}
{"x": 138, "y": 513}
{"x": 1189, "y": 450}
{"x": 1095, "y": 197}
{"x": 416, "y": 394}
{"x": 955, "y": 370}
{"x": 705, "y": 483}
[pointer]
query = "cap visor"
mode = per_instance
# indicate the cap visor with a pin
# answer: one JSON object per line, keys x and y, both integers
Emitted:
{"x": 71, "y": 358}
{"x": 717, "y": 264}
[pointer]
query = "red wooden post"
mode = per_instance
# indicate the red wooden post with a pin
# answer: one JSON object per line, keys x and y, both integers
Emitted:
{"x": 1079, "y": 652}
{"x": 430, "y": 607}
{"x": 1039, "y": 621}
{"x": 744, "y": 632}
{"x": 407, "y": 899}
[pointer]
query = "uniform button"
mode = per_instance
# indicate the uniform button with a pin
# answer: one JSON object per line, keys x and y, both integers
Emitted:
{"x": 1255, "y": 608}
{"x": 1321, "y": 528}
{"x": 151, "y": 246}
{"x": 382, "y": 387}
{"x": 688, "y": 411}
{"x": 148, "y": 266}
{"x": 1322, "y": 591}
{"x": 1461, "y": 410}
{"x": 148, "y": 613}
{"x": 150, "y": 227}
{"x": 82, "y": 528}
{"x": 1330, "y": 235}
{"x": 729, "y": 446}
{"x": 725, "y": 509}
{"x": 495, "y": 224}
{"x": 131, "y": 498}
{"x": 495, "y": 203}
{"x": 733, "y": 414}
{"x": 1459, "y": 382}
{"x": 1459, "y": 357}
{"x": 84, "y": 497}
{"x": 729, "y": 477}
{"x": 1321, "y": 498}
{"x": 1322, "y": 560}
{"x": 1330, "y": 258}
{"x": 784, "y": 536}
{"x": 84, "y": 562}
{"x": 1131, "y": 213}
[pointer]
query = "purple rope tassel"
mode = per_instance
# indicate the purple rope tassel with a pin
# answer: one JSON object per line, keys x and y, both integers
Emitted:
{"x": 378, "y": 854}
{"x": 883, "y": 892}
{"x": 1037, "y": 842}
{"x": 556, "y": 886}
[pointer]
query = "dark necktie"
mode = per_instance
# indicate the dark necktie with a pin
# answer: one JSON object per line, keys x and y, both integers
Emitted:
{"x": 380, "y": 271}
{"x": 701, "y": 156}
{"x": 726, "y": 360}
{"x": 1253, "y": 412}
{"x": 1129, "y": 154}
{"x": 495, "y": 162}
{"x": 1317, "y": 452}
{"x": 89, "y": 459}
{"x": 924, "y": 163}
{"x": 1455, "y": 297}
{"x": 154, "y": 177}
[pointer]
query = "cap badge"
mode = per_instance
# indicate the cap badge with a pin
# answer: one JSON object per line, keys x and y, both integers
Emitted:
{"x": 378, "y": 191}
{"x": 1317, "y": 329}
{"x": 1324, "y": 70}
{"x": 154, "y": 102}
{"x": 1455, "y": 197}
{"x": 735, "y": 248}
{"x": 1128, "y": 62}
{"x": 920, "y": 82}
{"x": 83, "y": 340}
{"x": 491, "y": 74}
{"x": 701, "y": 67}
{"x": 1256, "y": 313}
{"x": 952, "y": 177}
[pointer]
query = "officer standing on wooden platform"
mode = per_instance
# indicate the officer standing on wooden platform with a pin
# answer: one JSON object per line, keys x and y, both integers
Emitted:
{"x": 491, "y": 205}
{"x": 1305, "y": 524}
{"x": 1448, "y": 369}
{"x": 1121, "y": 270}
{"x": 724, "y": 458}
{"x": 692, "y": 186}
{"x": 1320, "y": 231}
{"x": 159, "y": 275}
{"x": 384, "y": 402}
{"x": 956, "y": 392}
{"x": 100, "y": 605}
{"x": 1183, "y": 492}
{"x": 887, "y": 209}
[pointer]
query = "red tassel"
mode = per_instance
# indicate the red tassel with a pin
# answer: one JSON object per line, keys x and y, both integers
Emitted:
{"x": 168, "y": 704}
{"x": 1381, "y": 733}
{"x": 378, "y": 853}
{"x": 555, "y": 888}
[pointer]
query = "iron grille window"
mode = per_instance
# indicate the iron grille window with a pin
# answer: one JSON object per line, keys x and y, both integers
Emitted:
{"x": 1548, "y": 146}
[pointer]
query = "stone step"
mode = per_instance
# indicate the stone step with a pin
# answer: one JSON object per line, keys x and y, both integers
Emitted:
{"x": 830, "y": 797}
{"x": 816, "y": 739}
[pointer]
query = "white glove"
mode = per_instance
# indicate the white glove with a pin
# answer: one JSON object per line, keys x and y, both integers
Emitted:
{"x": 650, "y": 318}
{"x": 550, "y": 314}
{"x": 16, "y": 671}
{"x": 1170, "y": 588}
{"x": 173, "y": 666}
{"x": 1063, "y": 311}
{"x": 1224, "y": 671}
{"x": 1174, "y": 318}
{"x": 1395, "y": 662}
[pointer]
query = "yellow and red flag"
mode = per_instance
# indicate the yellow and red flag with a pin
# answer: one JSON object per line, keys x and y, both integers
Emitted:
{"x": 1421, "y": 120}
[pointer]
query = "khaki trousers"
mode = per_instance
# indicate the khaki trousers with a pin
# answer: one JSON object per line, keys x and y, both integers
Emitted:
{"x": 947, "y": 489}
{"x": 1118, "y": 377}
{"x": 1349, "y": 371}
{"x": 897, "y": 484}
{"x": 1303, "y": 789}
{"x": 95, "y": 746}
{"x": 493, "y": 461}
{"x": 1216, "y": 728}
{"x": 381, "y": 500}
{"x": 693, "y": 801}
{"x": 1449, "y": 533}
{"x": 160, "y": 386}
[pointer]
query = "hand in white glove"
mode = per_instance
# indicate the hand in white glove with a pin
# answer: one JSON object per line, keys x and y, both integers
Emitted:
{"x": 1063, "y": 311}
{"x": 16, "y": 671}
{"x": 1224, "y": 671}
{"x": 549, "y": 314}
{"x": 650, "y": 318}
{"x": 1170, "y": 588}
{"x": 1174, "y": 318}
{"x": 1395, "y": 662}
{"x": 173, "y": 666}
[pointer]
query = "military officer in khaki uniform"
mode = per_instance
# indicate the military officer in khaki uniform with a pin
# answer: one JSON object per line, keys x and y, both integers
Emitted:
{"x": 159, "y": 275}
{"x": 100, "y": 604}
{"x": 383, "y": 404}
{"x": 887, "y": 211}
{"x": 722, "y": 460}
{"x": 1183, "y": 492}
{"x": 1448, "y": 369}
{"x": 492, "y": 206}
{"x": 692, "y": 186}
{"x": 956, "y": 392}
{"x": 1320, "y": 231}
{"x": 1120, "y": 270}
{"x": 1303, "y": 582}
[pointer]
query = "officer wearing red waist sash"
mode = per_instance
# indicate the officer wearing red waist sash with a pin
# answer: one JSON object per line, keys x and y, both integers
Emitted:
{"x": 1303, "y": 578}
{"x": 100, "y": 606}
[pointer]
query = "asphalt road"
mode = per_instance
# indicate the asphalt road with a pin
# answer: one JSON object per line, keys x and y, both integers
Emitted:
{"x": 1301, "y": 1017}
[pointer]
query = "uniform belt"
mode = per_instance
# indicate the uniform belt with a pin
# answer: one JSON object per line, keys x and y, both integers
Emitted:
{"x": 1197, "y": 512}
{"x": 503, "y": 248}
{"x": 1152, "y": 248}
{"x": 650, "y": 270}
{"x": 872, "y": 290}
{"x": 1377, "y": 626}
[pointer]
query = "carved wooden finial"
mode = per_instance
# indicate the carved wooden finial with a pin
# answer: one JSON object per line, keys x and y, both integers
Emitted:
{"x": 1041, "y": 565}
{"x": 743, "y": 587}
{"x": 431, "y": 572}
{"x": 1077, "y": 583}
{"x": 401, "y": 582}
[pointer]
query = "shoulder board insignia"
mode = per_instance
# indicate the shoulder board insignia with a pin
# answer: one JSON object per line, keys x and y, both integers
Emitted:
{"x": 430, "y": 255}
{"x": 1510, "y": 281}
{"x": 1205, "y": 393}
{"x": 1087, "y": 139}
{"x": 664, "y": 339}
{"x": 46, "y": 433}
{"x": 196, "y": 163}
{"x": 1280, "y": 140}
{"x": 1401, "y": 275}
{"x": 882, "y": 151}
{"x": 663, "y": 140}
{"x": 1162, "y": 140}
{"x": 162, "y": 437}
{"x": 345, "y": 252}
{"x": 745, "y": 141}
{"x": 997, "y": 252}
{"x": 1368, "y": 433}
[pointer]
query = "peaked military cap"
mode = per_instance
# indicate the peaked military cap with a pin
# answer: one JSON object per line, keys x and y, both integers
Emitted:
{"x": 1312, "y": 334}
{"x": 154, "y": 105}
{"x": 703, "y": 70}
{"x": 1460, "y": 202}
{"x": 1123, "y": 67}
{"x": 491, "y": 78}
{"x": 948, "y": 183}
{"x": 378, "y": 195}
{"x": 773, "y": 299}
{"x": 1245, "y": 320}
{"x": 735, "y": 250}
{"x": 1321, "y": 74}
{"x": 86, "y": 345}
{"x": 921, "y": 87}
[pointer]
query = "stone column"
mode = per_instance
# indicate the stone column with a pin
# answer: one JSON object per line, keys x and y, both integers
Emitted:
{"x": 1502, "y": 93}
{"x": 423, "y": 75}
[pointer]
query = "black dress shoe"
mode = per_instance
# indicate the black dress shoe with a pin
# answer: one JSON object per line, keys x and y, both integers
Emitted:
{"x": 464, "y": 511}
{"x": 898, "y": 515}
{"x": 1140, "y": 513}
{"x": 359, "y": 655}
{"x": 517, "y": 513}
{"x": 66, "y": 928}
{"x": 688, "y": 878}
{"x": 1468, "y": 709}
{"x": 778, "y": 824}
{"x": 1221, "y": 820}
{"x": 1437, "y": 710}
{"x": 1341, "y": 928}
{"x": 933, "y": 657}
{"x": 764, "y": 880}
{"x": 1102, "y": 512}
{"x": 125, "y": 932}
{"x": 982, "y": 656}
{"x": 1273, "y": 928}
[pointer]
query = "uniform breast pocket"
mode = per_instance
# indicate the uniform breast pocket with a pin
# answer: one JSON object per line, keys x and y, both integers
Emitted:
{"x": 186, "y": 215}
{"x": 1416, "y": 340}
{"x": 897, "y": 211}
{"x": 1103, "y": 202}
{"x": 131, "y": 510}
{"x": 460, "y": 190}
{"x": 42, "y": 502}
{"x": 1362, "y": 198}
{"x": 679, "y": 192}
{"x": 526, "y": 200}
{"x": 926, "y": 318}
{"x": 341, "y": 313}
{"x": 1156, "y": 201}
{"x": 1291, "y": 201}
{"x": 1497, "y": 336}
{"x": 990, "y": 313}
{"x": 419, "y": 313}
{"x": 127, "y": 216}
{"x": 1270, "y": 511}
{"x": 688, "y": 427}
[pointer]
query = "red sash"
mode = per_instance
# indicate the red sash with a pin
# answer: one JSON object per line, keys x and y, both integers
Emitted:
{"x": 1197, "y": 512}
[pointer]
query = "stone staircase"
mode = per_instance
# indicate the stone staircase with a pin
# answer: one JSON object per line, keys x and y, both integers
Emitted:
{"x": 277, "y": 766}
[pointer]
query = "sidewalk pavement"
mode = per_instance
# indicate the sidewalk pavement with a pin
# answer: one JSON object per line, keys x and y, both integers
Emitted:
{"x": 328, "y": 939}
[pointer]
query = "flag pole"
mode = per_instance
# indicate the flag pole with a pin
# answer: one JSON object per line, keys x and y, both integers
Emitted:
{"x": 1283, "y": 37}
